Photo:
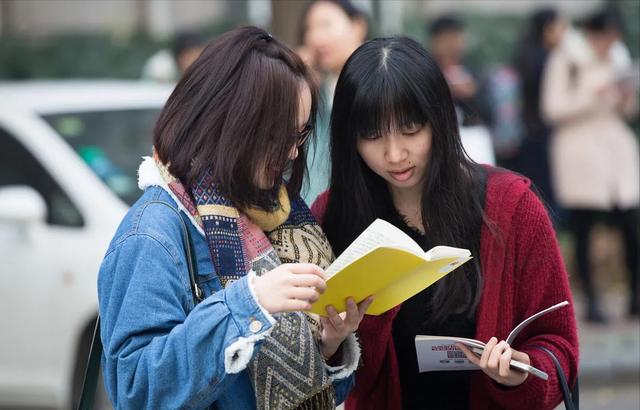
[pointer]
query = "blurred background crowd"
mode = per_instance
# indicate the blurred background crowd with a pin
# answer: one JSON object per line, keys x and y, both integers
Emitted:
{"x": 546, "y": 88}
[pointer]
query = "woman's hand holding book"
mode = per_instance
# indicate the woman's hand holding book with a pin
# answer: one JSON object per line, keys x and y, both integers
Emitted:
{"x": 495, "y": 362}
{"x": 337, "y": 326}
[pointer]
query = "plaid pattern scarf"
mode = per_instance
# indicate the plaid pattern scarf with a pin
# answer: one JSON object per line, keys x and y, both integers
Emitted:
{"x": 288, "y": 372}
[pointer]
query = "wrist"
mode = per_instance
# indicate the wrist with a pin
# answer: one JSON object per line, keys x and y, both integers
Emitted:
{"x": 255, "y": 287}
{"x": 506, "y": 384}
{"x": 332, "y": 354}
{"x": 329, "y": 349}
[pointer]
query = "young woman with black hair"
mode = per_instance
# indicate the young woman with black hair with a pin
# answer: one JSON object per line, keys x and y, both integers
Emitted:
{"x": 544, "y": 33}
{"x": 330, "y": 31}
{"x": 396, "y": 155}
{"x": 235, "y": 124}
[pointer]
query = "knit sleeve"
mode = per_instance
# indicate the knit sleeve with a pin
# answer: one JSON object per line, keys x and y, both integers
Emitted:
{"x": 541, "y": 281}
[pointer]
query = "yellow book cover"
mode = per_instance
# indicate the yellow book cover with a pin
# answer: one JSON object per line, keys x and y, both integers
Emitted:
{"x": 385, "y": 262}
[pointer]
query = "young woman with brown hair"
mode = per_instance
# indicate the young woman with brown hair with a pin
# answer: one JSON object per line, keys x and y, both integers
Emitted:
{"x": 228, "y": 160}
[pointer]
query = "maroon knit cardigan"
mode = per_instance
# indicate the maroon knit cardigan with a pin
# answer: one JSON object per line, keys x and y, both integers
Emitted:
{"x": 523, "y": 273}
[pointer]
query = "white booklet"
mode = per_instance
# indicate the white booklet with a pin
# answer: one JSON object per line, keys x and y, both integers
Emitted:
{"x": 436, "y": 353}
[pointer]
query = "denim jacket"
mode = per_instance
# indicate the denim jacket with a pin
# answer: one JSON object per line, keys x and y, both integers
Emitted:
{"x": 161, "y": 351}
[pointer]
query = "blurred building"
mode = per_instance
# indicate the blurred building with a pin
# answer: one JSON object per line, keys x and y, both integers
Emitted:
{"x": 163, "y": 18}
{"x": 567, "y": 7}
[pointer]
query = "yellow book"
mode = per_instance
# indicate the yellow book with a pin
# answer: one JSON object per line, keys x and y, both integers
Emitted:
{"x": 385, "y": 262}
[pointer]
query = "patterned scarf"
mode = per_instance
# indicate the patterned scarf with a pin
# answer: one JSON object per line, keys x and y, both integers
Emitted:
{"x": 288, "y": 371}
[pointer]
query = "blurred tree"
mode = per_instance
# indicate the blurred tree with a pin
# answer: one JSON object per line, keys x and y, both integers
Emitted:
{"x": 84, "y": 55}
{"x": 631, "y": 12}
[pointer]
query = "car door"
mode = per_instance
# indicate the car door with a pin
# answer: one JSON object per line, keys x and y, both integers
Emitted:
{"x": 39, "y": 266}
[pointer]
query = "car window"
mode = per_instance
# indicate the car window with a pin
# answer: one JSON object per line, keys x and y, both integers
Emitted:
{"x": 19, "y": 167}
{"x": 111, "y": 143}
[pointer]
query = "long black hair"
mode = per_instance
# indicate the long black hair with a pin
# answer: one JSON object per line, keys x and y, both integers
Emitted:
{"x": 388, "y": 84}
{"x": 606, "y": 19}
{"x": 530, "y": 59}
{"x": 538, "y": 23}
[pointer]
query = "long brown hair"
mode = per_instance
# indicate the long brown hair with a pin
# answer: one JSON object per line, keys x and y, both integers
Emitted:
{"x": 235, "y": 111}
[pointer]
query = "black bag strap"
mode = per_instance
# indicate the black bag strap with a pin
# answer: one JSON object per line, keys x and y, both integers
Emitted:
{"x": 571, "y": 397}
{"x": 90, "y": 381}
{"x": 187, "y": 243}
{"x": 91, "y": 373}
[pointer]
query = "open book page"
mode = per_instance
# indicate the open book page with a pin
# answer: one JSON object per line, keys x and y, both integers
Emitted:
{"x": 453, "y": 339}
{"x": 379, "y": 233}
{"x": 442, "y": 252}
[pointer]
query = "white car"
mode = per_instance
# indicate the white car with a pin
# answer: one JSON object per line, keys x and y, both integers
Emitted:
{"x": 69, "y": 152}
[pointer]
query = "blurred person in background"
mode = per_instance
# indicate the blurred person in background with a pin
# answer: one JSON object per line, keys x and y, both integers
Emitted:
{"x": 235, "y": 124}
{"x": 166, "y": 65}
{"x": 448, "y": 44}
{"x": 447, "y": 41}
{"x": 544, "y": 33}
{"x": 590, "y": 87}
{"x": 331, "y": 31}
{"x": 186, "y": 48}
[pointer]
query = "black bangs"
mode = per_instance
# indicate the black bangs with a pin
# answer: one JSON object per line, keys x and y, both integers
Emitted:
{"x": 385, "y": 102}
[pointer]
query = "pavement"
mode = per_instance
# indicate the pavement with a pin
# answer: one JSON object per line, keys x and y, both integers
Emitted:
{"x": 609, "y": 354}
